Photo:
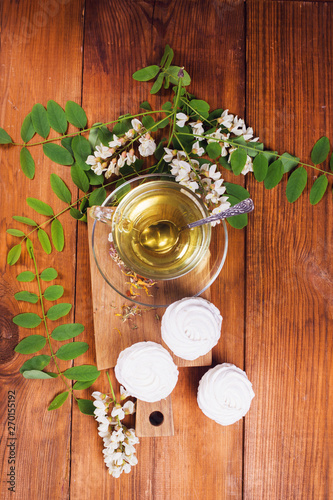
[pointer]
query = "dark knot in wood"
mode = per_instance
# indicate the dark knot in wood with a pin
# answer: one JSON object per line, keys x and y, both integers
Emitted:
{"x": 9, "y": 335}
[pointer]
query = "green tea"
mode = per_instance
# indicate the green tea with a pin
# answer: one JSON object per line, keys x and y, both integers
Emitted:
{"x": 150, "y": 204}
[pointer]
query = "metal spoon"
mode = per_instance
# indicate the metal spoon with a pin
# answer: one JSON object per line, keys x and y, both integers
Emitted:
{"x": 164, "y": 235}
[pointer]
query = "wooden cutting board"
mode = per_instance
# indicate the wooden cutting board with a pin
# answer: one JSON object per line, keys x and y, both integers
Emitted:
{"x": 117, "y": 328}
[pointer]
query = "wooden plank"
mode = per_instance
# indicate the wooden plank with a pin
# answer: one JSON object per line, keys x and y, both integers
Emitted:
{"x": 112, "y": 333}
{"x": 288, "y": 432}
{"x": 128, "y": 39}
{"x": 154, "y": 419}
{"x": 40, "y": 54}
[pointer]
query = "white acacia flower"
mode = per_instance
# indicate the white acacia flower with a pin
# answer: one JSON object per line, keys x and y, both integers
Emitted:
{"x": 123, "y": 393}
{"x": 198, "y": 130}
{"x": 214, "y": 136}
{"x": 210, "y": 171}
{"x": 180, "y": 169}
{"x": 216, "y": 190}
{"x": 226, "y": 119}
{"x": 118, "y": 411}
{"x": 136, "y": 124}
{"x": 190, "y": 184}
{"x": 197, "y": 149}
{"x": 147, "y": 146}
{"x": 100, "y": 404}
{"x": 116, "y": 142}
{"x": 130, "y": 133}
{"x": 169, "y": 154}
{"x": 112, "y": 169}
{"x": 121, "y": 159}
{"x": 130, "y": 157}
{"x": 248, "y": 167}
{"x": 103, "y": 427}
{"x": 129, "y": 408}
{"x": 103, "y": 152}
{"x": 181, "y": 119}
{"x": 239, "y": 127}
{"x": 224, "y": 204}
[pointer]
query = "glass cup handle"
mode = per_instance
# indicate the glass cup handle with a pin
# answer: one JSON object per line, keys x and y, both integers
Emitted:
{"x": 102, "y": 214}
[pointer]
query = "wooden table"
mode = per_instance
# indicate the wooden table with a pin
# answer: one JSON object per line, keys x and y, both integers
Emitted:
{"x": 271, "y": 63}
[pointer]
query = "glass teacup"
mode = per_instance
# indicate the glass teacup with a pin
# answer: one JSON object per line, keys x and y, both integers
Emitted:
{"x": 146, "y": 203}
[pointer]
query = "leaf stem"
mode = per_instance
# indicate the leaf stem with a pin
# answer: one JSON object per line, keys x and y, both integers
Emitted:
{"x": 69, "y": 388}
{"x": 84, "y": 131}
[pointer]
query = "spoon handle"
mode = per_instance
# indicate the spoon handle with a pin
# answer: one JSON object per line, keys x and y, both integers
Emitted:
{"x": 242, "y": 207}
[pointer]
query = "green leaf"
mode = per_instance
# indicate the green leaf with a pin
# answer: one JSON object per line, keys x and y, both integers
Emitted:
{"x": 67, "y": 331}
{"x": 167, "y": 106}
{"x": 163, "y": 123}
{"x": 318, "y": 189}
{"x": 145, "y": 105}
{"x": 36, "y": 363}
{"x": 31, "y": 344}
{"x": 27, "y": 320}
{"x": 260, "y": 167}
{"x": 105, "y": 135}
{"x": 81, "y": 147}
{"x": 15, "y": 232}
{"x": 149, "y": 123}
{"x": 157, "y": 84}
{"x": 237, "y": 221}
{"x": 202, "y": 107}
{"x": 40, "y": 121}
{"x": 30, "y": 248}
{"x": 44, "y": 241}
{"x": 213, "y": 149}
{"x": 97, "y": 197}
{"x": 331, "y": 162}
{"x": 79, "y": 386}
{"x": 75, "y": 213}
{"x": 320, "y": 150}
{"x": 56, "y": 117}
{"x": 58, "y": 154}
{"x": 145, "y": 74}
{"x": 25, "y": 220}
{"x": 58, "y": 311}
{"x": 79, "y": 178}
{"x": 289, "y": 162}
{"x": 26, "y": 276}
{"x": 86, "y": 406}
{"x": 36, "y": 374}
{"x": 27, "y": 163}
{"x": 40, "y": 206}
{"x": 270, "y": 155}
{"x": 72, "y": 350}
{"x": 82, "y": 373}
{"x": 296, "y": 184}
{"x": 93, "y": 135}
{"x": 27, "y": 129}
{"x": 14, "y": 255}
{"x": 237, "y": 191}
{"x": 60, "y": 189}
{"x": 167, "y": 56}
{"x": 274, "y": 174}
{"x": 224, "y": 162}
{"x": 94, "y": 179}
{"x": 57, "y": 235}
{"x": 53, "y": 292}
{"x": 58, "y": 401}
{"x": 173, "y": 73}
{"x": 4, "y": 137}
{"x": 26, "y": 297}
{"x": 66, "y": 142}
{"x": 238, "y": 159}
{"x": 75, "y": 114}
{"x": 48, "y": 274}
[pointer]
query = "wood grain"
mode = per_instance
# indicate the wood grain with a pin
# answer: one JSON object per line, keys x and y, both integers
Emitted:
{"x": 41, "y": 60}
{"x": 112, "y": 333}
{"x": 133, "y": 35}
{"x": 288, "y": 432}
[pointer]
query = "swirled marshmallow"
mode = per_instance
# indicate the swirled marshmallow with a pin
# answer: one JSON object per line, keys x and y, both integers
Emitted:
{"x": 147, "y": 371}
{"x": 191, "y": 327}
{"x": 225, "y": 394}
